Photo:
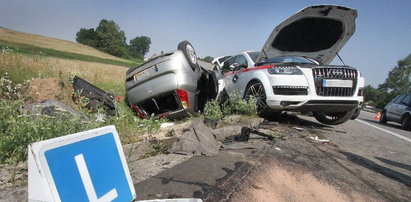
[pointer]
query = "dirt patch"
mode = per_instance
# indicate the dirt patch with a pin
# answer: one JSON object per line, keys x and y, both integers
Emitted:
{"x": 278, "y": 182}
{"x": 49, "y": 88}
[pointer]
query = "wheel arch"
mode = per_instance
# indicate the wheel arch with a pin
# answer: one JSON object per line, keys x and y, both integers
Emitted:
{"x": 253, "y": 81}
{"x": 405, "y": 115}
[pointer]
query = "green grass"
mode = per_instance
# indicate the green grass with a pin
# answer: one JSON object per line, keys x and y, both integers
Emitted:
{"x": 33, "y": 50}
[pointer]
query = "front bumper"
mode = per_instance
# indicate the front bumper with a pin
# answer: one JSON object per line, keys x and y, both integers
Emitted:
{"x": 309, "y": 91}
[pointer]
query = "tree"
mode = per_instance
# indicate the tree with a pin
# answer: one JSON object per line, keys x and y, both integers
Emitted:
{"x": 377, "y": 96}
{"x": 87, "y": 37}
{"x": 110, "y": 38}
{"x": 140, "y": 45}
{"x": 208, "y": 59}
{"x": 399, "y": 78}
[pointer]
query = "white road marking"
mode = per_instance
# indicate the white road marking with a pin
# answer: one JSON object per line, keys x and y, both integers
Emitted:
{"x": 387, "y": 131}
{"x": 88, "y": 184}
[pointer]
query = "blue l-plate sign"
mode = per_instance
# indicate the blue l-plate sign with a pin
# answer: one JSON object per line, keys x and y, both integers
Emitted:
{"x": 87, "y": 166}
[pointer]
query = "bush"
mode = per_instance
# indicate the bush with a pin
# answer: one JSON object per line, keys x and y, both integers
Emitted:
{"x": 214, "y": 111}
{"x": 240, "y": 106}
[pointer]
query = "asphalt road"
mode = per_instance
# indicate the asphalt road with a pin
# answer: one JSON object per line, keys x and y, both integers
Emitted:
{"x": 364, "y": 160}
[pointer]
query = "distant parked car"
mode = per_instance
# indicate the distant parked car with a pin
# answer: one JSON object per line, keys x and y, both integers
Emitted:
{"x": 171, "y": 84}
{"x": 218, "y": 62}
{"x": 399, "y": 111}
{"x": 292, "y": 71}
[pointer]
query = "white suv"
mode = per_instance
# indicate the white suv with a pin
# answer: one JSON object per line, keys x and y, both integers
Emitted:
{"x": 292, "y": 71}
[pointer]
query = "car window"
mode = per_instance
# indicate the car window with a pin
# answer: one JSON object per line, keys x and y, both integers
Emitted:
{"x": 398, "y": 99}
{"x": 227, "y": 64}
{"x": 241, "y": 60}
{"x": 406, "y": 100}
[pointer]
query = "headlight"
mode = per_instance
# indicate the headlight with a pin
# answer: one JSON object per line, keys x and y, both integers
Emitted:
{"x": 285, "y": 70}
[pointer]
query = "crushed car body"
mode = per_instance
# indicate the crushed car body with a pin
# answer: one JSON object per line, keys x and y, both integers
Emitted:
{"x": 170, "y": 85}
{"x": 292, "y": 71}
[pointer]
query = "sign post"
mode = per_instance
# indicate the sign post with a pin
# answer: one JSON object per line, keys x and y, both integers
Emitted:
{"x": 86, "y": 166}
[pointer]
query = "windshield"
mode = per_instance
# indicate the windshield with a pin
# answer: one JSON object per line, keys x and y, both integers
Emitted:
{"x": 288, "y": 59}
{"x": 253, "y": 55}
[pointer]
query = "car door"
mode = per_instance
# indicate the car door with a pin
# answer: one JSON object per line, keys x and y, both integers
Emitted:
{"x": 393, "y": 112}
{"x": 238, "y": 79}
{"x": 401, "y": 107}
{"x": 228, "y": 75}
{"x": 389, "y": 109}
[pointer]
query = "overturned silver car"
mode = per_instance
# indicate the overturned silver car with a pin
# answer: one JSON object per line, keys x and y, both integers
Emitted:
{"x": 170, "y": 85}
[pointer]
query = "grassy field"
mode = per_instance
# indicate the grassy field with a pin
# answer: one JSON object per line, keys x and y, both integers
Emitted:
{"x": 34, "y": 50}
{"x": 20, "y": 38}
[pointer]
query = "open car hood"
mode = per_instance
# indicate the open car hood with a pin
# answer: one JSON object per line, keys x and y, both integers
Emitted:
{"x": 317, "y": 32}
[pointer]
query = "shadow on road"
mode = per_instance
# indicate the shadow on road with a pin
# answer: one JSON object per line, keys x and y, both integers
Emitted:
{"x": 293, "y": 119}
{"x": 371, "y": 165}
{"x": 394, "y": 163}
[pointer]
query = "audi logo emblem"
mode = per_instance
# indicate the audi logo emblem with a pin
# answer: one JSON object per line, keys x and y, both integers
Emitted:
{"x": 335, "y": 72}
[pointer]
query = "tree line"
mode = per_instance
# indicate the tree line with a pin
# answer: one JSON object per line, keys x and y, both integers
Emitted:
{"x": 109, "y": 38}
{"x": 397, "y": 82}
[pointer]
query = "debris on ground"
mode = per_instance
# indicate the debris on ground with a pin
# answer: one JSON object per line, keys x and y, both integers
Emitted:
{"x": 165, "y": 125}
{"x": 298, "y": 128}
{"x": 52, "y": 108}
{"x": 96, "y": 96}
{"x": 197, "y": 140}
{"x": 318, "y": 139}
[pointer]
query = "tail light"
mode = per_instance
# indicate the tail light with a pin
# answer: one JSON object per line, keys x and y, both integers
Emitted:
{"x": 140, "y": 114}
{"x": 183, "y": 95}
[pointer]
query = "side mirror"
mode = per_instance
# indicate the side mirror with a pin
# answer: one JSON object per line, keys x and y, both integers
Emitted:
{"x": 234, "y": 67}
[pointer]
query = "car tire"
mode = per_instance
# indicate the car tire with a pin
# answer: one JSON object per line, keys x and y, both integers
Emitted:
{"x": 383, "y": 117}
{"x": 189, "y": 53}
{"x": 356, "y": 113}
{"x": 256, "y": 89}
{"x": 406, "y": 122}
{"x": 333, "y": 118}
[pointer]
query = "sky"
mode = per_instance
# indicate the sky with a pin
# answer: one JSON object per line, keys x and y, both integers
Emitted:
{"x": 220, "y": 27}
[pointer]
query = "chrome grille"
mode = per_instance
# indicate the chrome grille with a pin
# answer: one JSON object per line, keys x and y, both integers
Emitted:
{"x": 342, "y": 73}
{"x": 335, "y": 73}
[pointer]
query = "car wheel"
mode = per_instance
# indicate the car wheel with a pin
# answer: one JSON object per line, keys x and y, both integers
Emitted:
{"x": 406, "y": 122}
{"x": 383, "y": 117}
{"x": 189, "y": 53}
{"x": 356, "y": 114}
{"x": 333, "y": 118}
{"x": 257, "y": 92}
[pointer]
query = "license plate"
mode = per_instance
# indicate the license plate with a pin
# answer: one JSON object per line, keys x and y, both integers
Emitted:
{"x": 142, "y": 75}
{"x": 337, "y": 83}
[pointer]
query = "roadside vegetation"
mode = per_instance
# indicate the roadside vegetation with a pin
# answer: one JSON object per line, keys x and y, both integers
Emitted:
{"x": 397, "y": 82}
{"x": 18, "y": 129}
